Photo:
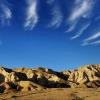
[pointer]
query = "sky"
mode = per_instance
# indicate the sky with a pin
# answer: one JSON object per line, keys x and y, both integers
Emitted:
{"x": 58, "y": 34}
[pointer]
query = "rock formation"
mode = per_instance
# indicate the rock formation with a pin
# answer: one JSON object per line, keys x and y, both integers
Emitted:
{"x": 26, "y": 79}
{"x": 85, "y": 75}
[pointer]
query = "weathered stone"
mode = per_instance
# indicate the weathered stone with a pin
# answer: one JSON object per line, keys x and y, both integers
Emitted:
{"x": 29, "y": 86}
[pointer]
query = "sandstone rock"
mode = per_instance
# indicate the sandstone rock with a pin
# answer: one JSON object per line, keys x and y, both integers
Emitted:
{"x": 26, "y": 79}
{"x": 42, "y": 80}
{"x": 93, "y": 84}
{"x": 67, "y": 72}
{"x": 4, "y": 72}
{"x": 2, "y": 78}
{"x": 4, "y": 87}
{"x": 11, "y": 77}
{"x": 55, "y": 78}
{"x": 49, "y": 78}
{"x": 29, "y": 86}
{"x": 28, "y": 73}
{"x": 85, "y": 74}
{"x": 7, "y": 75}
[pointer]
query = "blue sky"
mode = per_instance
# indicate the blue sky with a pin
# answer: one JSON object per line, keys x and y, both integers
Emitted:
{"x": 58, "y": 34}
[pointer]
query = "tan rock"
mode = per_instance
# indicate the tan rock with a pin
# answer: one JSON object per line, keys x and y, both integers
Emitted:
{"x": 4, "y": 87}
{"x": 28, "y": 72}
{"x": 29, "y": 86}
{"x": 85, "y": 74}
{"x": 26, "y": 79}
{"x": 55, "y": 78}
{"x": 67, "y": 72}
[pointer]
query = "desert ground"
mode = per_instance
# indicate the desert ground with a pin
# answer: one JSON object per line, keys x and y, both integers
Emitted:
{"x": 54, "y": 94}
{"x": 45, "y": 84}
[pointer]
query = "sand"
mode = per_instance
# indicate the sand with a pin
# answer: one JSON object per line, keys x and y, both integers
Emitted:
{"x": 54, "y": 94}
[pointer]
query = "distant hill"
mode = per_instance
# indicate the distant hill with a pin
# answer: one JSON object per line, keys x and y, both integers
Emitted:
{"x": 26, "y": 79}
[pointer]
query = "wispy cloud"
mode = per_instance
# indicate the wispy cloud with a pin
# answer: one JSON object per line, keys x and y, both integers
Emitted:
{"x": 80, "y": 32}
{"x": 89, "y": 40}
{"x": 57, "y": 17}
{"x": 31, "y": 14}
{"x": 72, "y": 27}
{"x": 95, "y": 42}
{"x": 91, "y": 43}
{"x": 82, "y": 9}
{"x": 93, "y": 37}
{"x": 5, "y": 14}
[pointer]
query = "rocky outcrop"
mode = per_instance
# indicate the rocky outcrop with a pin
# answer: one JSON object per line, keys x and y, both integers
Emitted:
{"x": 7, "y": 75}
{"x": 26, "y": 79}
{"x": 85, "y": 75}
{"x": 28, "y": 86}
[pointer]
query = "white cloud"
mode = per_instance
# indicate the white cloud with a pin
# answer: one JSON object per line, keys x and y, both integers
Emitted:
{"x": 57, "y": 17}
{"x": 93, "y": 37}
{"x": 96, "y": 42}
{"x": 5, "y": 14}
{"x": 89, "y": 40}
{"x": 91, "y": 43}
{"x": 72, "y": 27}
{"x": 82, "y": 9}
{"x": 81, "y": 31}
{"x": 31, "y": 14}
